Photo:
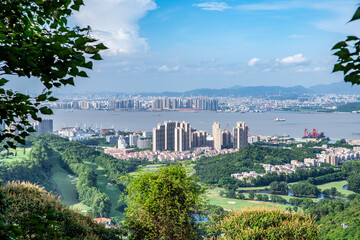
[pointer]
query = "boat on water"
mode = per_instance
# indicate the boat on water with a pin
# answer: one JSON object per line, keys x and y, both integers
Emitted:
{"x": 279, "y": 120}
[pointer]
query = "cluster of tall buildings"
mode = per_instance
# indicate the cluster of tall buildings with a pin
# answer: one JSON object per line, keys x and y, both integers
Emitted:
{"x": 125, "y": 104}
{"x": 222, "y": 138}
{"x": 177, "y": 136}
{"x": 206, "y": 104}
{"x": 180, "y": 136}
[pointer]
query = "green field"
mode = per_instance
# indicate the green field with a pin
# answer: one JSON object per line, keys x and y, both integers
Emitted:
{"x": 338, "y": 185}
{"x": 152, "y": 167}
{"x": 236, "y": 204}
{"x": 106, "y": 187}
{"x": 65, "y": 183}
{"x": 253, "y": 188}
{"x": 15, "y": 155}
{"x": 80, "y": 207}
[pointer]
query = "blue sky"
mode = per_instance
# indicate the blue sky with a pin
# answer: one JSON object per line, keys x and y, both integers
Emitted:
{"x": 168, "y": 45}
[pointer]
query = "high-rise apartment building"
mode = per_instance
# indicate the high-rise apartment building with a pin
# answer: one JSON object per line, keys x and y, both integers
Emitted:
{"x": 199, "y": 139}
{"x": 158, "y": 104}
{"x": 159, "y": 137}
{"x": 173, "y": 135}
{"x": 240, "y": 135}
{"x": 217, "y": 136}
{"x": 170, "y": 134}
{"x": 45, "y": 126}
{"x": 183, "y": 137}
{"x": 226, "y": 139}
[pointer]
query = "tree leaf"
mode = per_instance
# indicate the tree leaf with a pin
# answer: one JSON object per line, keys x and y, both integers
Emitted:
{"x": 46, "y": 110}
{"x": 96, "y": 57}
{"x": 83, "y": 74}
{"x": 356, "y": 15}
{"x": 352, "y": 38}
{"x": 338, "y": 67}
{"x": 340, "y": 45}
{"x": 3, "y": 81}
{"x": 101, "y": 46}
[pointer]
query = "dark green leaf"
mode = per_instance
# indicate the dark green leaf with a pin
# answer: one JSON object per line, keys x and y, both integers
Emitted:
{"x": 339, "y": 45}
{"x": 343, "y": 53}
{"x": 3, "y": 81}
{"x": 352, "y": 38}
{"x": 52, "y": 99}
{"x": 41, "y": 98}
{"x": 101, "y": 46}
{"x": 338, "y": 67}
{"x": 88, "y": 65}
{"x": 45, "y": 110}
{"x": 96, "y": 57}
{"x": 75, "y": 7}
{"x": 356, "y": 15}
{"x": 82, "y": 74}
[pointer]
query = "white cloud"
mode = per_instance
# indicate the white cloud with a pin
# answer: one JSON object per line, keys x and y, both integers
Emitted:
{"x": 213, "y": 6}
{"x": 296, "y": 36}
{"x": 115, "y": 23}
{"x": 296, "y": 62}
{"x": 302, "y": 69}
{"x": 253, "y": 61}
{"x": 165, "y": 68}
{"x": 296, "y": 59}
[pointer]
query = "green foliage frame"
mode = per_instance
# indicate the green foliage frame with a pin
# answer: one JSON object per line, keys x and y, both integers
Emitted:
{"x": 35, "y": 42}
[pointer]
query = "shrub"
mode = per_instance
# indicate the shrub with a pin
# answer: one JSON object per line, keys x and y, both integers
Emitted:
{"x": 40, "y": 215}
{"x": 264, "y": 224}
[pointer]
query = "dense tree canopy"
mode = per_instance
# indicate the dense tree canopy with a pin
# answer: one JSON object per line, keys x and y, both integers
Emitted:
{"x": 163, "y": 204}
{"x": 338, "y": 219}
{"x": 213, "y": 170}
{"x": 281, "y": 187}
{"x": 305, "y": 189}
{"x": 354, "y": 182}
{"x": 35, "y": 41}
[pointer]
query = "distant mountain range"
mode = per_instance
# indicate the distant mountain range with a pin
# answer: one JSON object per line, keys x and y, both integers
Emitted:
{"x": 263, "y": 91}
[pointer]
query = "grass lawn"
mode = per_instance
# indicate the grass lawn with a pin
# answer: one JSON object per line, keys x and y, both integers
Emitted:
{"x": 80, "y": 207}
{"x": 253, "y": 188}
{"x": 338, "y": 185}
{"x": 235, "y": 204}
{"x": 110, "y": 190}
{"x": 19, "y": 155}
{"x": 64, "y": 183}
{"x": 152, "y": 167}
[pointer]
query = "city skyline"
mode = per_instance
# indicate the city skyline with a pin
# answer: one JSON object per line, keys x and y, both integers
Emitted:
{"x": 181, "y": 45}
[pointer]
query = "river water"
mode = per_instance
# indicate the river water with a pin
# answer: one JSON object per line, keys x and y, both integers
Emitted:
{"x": 334, "y": 125}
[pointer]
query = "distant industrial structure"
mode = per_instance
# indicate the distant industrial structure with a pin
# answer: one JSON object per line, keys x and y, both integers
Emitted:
{"x": 313, "y": 134}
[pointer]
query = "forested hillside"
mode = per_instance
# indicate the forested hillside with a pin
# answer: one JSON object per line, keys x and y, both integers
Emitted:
{"x": 212, "y": 169}
{"x": 74, "y": 157}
